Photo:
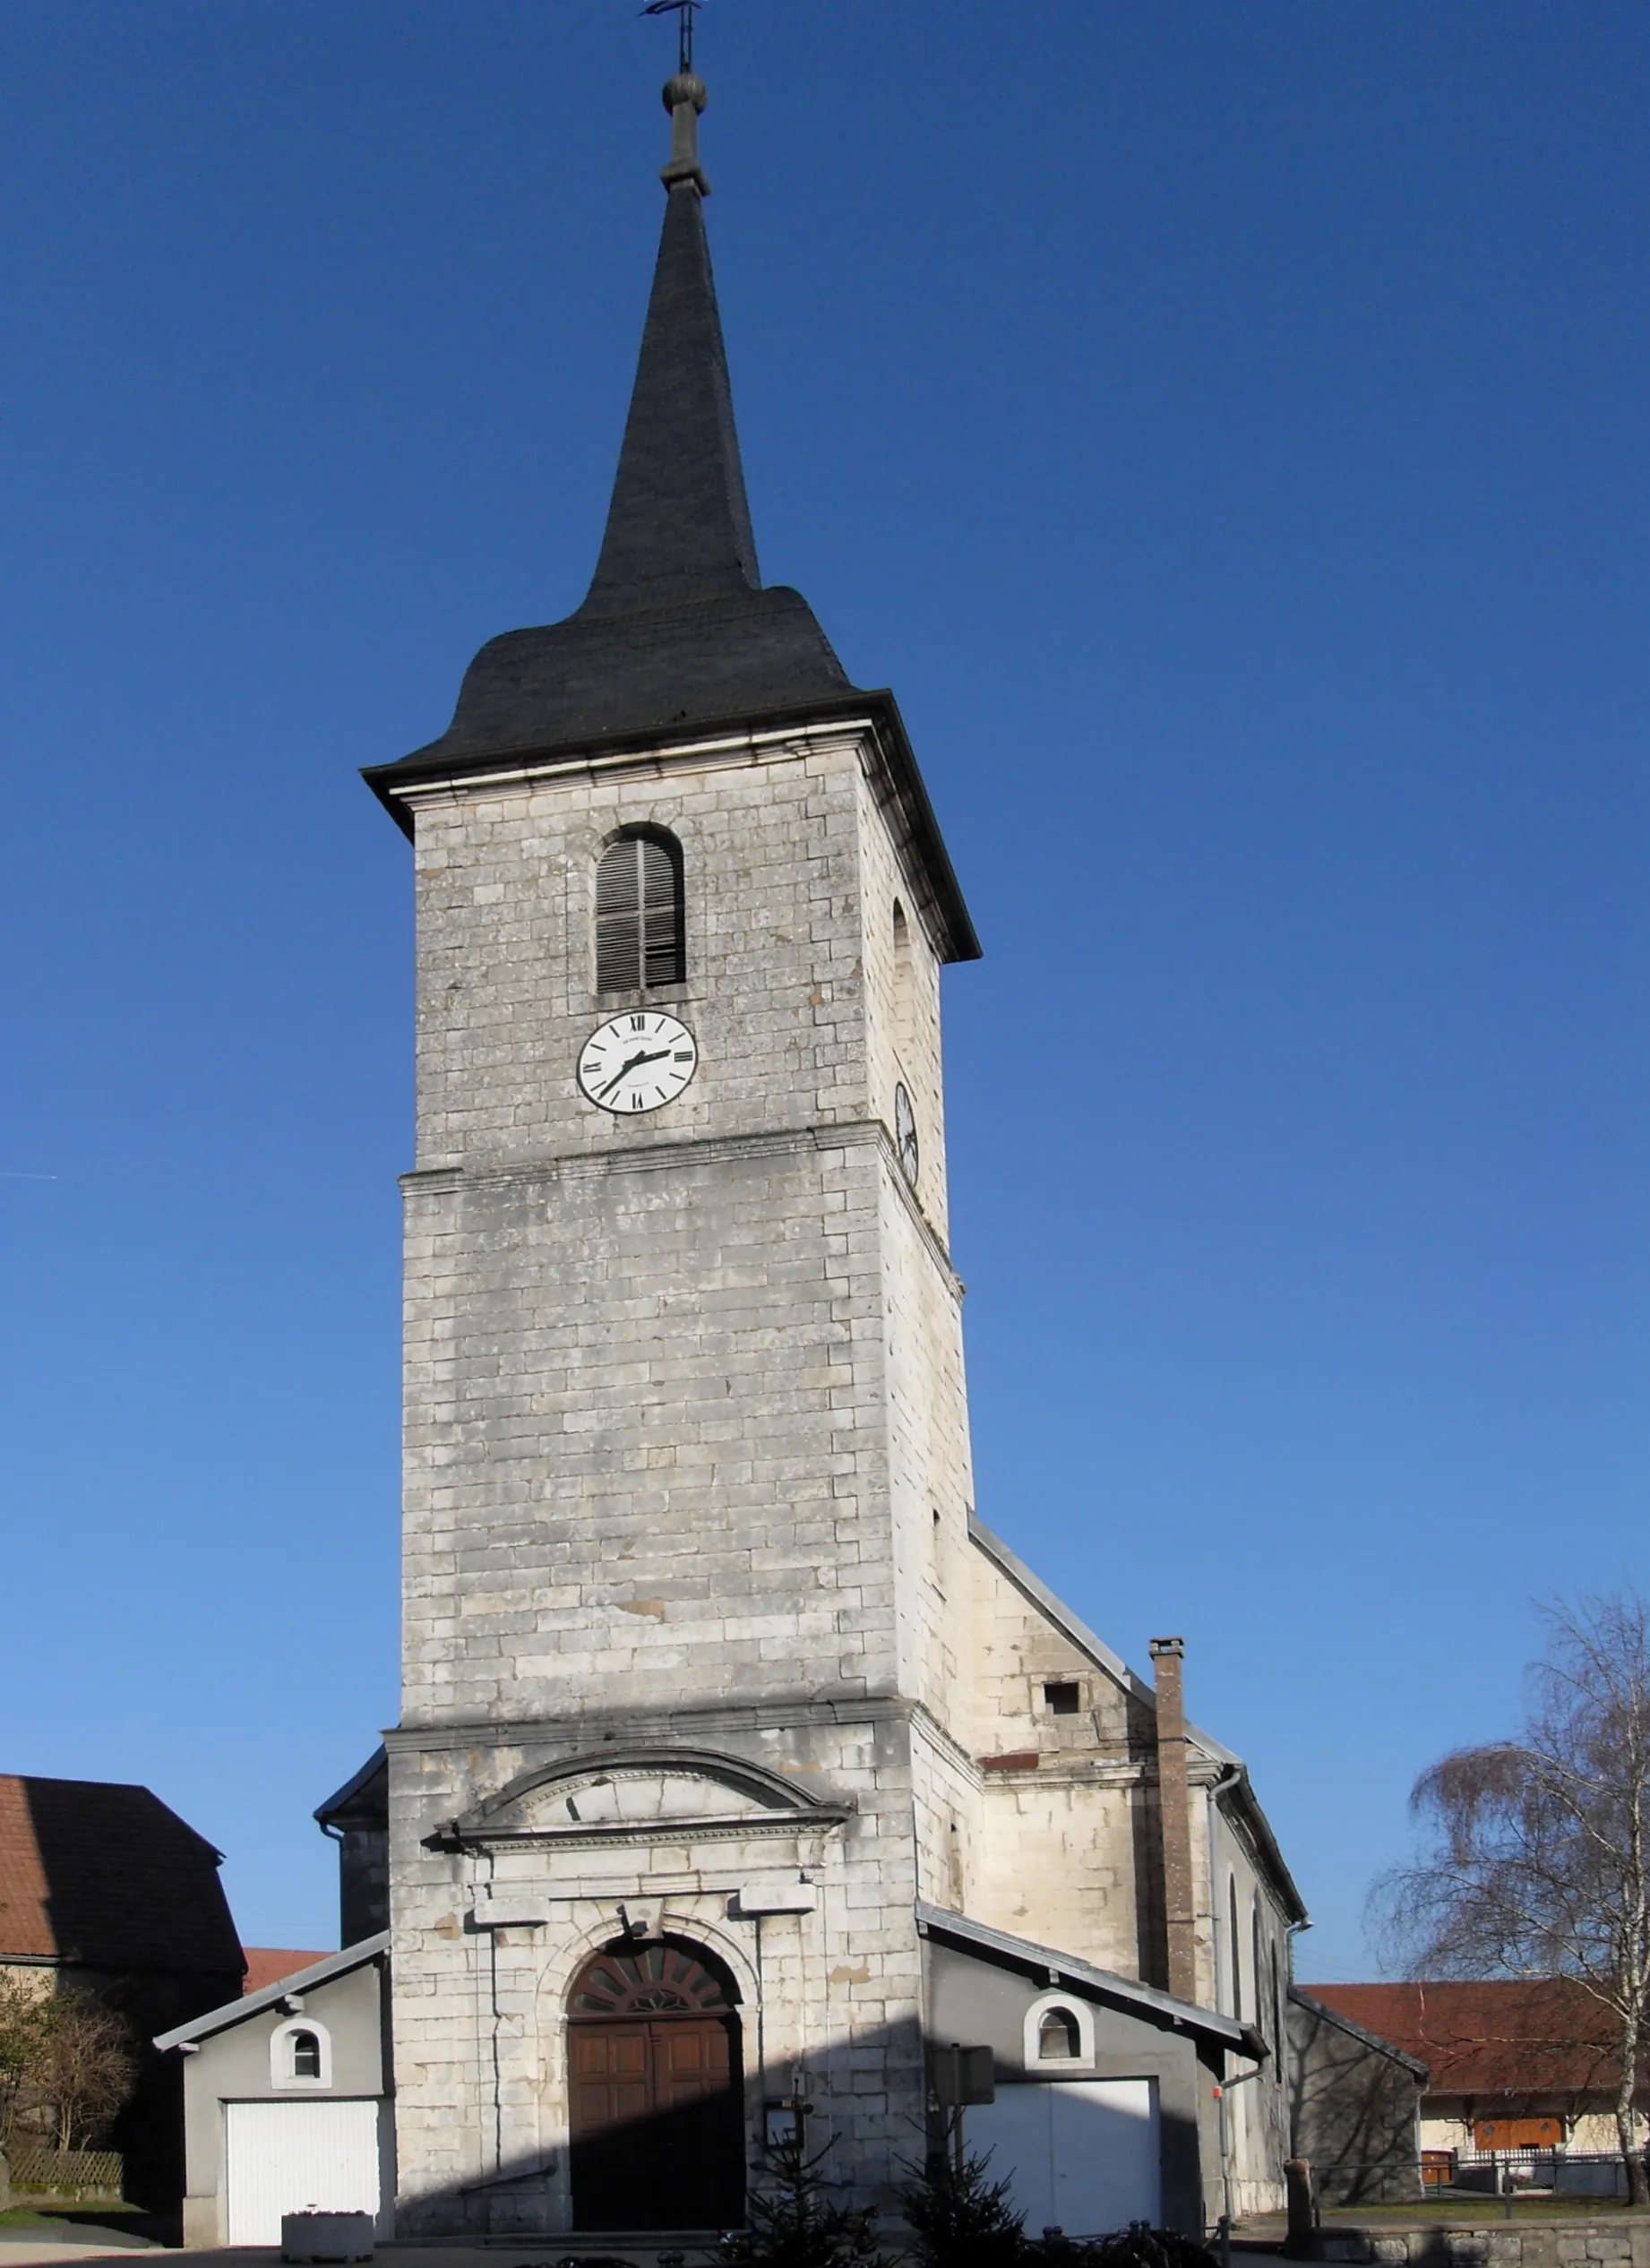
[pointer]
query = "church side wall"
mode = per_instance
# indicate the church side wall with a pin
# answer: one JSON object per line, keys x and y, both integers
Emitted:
{"x": 948, "y": 1808}
{"x": 1058, "y": 1866}
{"x": 1259, "y": 2109}
{"x": 1017, "y": 1652}
{"x": 1068, "y": 1851}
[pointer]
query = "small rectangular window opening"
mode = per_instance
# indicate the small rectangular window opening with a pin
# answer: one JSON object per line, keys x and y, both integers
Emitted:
{"x": 1062, "y": 1698}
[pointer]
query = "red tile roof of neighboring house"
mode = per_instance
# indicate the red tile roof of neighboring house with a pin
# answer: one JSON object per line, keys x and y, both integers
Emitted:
{"x": 25, "y": 1901}
{"x": 1544, "y": 2037}
{"x": 268, "y": 1965}
{"x": 104, "y": 1876}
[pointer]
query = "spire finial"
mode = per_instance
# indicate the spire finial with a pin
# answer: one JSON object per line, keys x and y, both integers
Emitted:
{"x": 685, "y": 99}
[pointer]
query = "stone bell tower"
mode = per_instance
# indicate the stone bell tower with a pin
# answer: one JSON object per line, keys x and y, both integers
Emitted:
{"x": 686, "y": 1444}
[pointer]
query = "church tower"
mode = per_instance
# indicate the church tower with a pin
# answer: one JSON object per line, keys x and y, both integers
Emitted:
{"x": 687, "y": 1494}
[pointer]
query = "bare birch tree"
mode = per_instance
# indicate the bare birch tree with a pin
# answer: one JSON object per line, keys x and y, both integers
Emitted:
{"x": 85, "y": 2069}
{"x": 1536, "y": 1851}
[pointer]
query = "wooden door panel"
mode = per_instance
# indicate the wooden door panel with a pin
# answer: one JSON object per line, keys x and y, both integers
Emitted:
{"x": 692, "y": 2050}
{"x": 657, "y": 2130}
{"x": 612, "y": 2078}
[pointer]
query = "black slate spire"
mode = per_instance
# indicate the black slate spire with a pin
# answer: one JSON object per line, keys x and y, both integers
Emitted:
{"x": 676, "y": 638}
{"x": 676, "y": 629}
{"x": 679, "y": 527}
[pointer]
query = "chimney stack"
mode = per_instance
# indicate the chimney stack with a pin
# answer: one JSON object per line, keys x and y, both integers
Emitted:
{"x": 1174, "y": 1818}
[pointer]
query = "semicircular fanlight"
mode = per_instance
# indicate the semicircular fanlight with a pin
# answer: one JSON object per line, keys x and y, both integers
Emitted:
{"x": 656, "y": 1980}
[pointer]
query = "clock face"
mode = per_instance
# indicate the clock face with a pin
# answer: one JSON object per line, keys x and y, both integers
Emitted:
{"x": 636, "y": 1061}
{"x": 904, "y": 1135}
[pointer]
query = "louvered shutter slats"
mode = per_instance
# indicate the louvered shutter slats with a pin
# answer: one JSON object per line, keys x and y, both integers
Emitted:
{"x": 658, "y": 875}
{"x": 638, "y": 916}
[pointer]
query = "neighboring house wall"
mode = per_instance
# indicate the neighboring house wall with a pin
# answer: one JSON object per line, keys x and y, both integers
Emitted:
{"x": 104, "y": 1889}
{"x": 1497, "y": 2048}
{"x": 1355, "y": 2103}
{"x": 1587, "y": 2134}
{"x": 36, "y": 1974}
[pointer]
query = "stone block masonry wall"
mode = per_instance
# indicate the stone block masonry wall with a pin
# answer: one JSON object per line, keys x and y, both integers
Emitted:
{"x": 650, "y": 1431}
{"x": 506, "y": 953}
{"x": 1067, "y": 1852}
{"x": 830, "y": 1996}
{"x": 645, "y": 1432}
{"x": 930, "y": 1473}
{"x": 1622, "y": 2244}
{"x": 685, "y": 1455}
{"x": 902, "y": 1004}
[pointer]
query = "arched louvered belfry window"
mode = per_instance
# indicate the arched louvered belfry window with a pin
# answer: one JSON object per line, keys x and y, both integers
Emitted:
{"x": 641, "y": 932}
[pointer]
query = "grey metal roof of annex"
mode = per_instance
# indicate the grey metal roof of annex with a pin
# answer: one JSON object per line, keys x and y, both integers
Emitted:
{"x": 1064, "y": 1970}
{"x": 253, "y": 2003}
{"x": 677, "y": 636}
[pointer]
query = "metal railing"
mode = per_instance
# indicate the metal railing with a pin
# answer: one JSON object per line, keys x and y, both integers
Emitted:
{"x": 1573, "y": 2173}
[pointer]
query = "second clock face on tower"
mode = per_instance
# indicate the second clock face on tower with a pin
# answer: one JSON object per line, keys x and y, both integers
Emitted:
{"x": 904, "y": 1135}
{"x": 636, "y": 1061}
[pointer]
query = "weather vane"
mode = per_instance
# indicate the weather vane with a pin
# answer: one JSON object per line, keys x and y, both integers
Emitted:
{"x": 684, "y": 12}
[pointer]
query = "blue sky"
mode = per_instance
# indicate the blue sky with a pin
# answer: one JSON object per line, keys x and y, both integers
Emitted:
{"x": 1226, "y": 428}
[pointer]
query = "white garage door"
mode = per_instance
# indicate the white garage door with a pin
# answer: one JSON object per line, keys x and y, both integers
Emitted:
{"x": 286, "y": 2157}
{"x": 1078, "y": 2154}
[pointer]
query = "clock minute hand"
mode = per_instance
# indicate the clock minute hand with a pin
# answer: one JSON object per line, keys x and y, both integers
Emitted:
{"x": 648, "y": 1055}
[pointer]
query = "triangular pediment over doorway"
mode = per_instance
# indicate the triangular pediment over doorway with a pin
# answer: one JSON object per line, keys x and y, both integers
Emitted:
{"x": 631, "y": 1795}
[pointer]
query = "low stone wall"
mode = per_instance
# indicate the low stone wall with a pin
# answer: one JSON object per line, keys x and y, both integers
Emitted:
{"x": 1552, "y": 2244}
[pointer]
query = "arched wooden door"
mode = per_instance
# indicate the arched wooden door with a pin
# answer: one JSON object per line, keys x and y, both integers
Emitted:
{"x": 655, "y": 2078}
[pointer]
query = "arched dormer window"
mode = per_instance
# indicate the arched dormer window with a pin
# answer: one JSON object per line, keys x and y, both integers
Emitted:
{"x": 1057, "y": 2040}
{"x": 640, "y": 928}
{"x": 1060, "y": 2033}
{"x": 301, "y": 2054}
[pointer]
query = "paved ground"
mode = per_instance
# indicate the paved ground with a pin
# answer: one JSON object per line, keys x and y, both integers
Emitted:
{"x": 61, "y": 2242}
{"x": 21, "y": 2248}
